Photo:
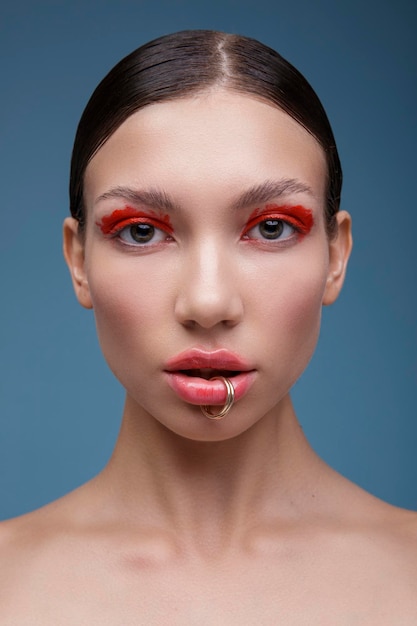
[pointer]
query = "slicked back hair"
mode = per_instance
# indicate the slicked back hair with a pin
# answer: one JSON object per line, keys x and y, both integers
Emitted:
{"x": 188, "y": 62}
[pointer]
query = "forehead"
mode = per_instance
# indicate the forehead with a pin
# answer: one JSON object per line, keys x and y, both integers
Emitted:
{"x": 207, "y": 148}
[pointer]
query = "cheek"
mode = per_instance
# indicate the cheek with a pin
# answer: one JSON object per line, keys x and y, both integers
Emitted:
{"x": 129, "y": 310}
{"x": 291, "y": 310}
{"x": 305, "y": 298}
{"x": 304, "y": 315}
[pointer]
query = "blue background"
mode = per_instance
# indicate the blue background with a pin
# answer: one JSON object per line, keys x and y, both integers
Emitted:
{"x": 357, "y": 401}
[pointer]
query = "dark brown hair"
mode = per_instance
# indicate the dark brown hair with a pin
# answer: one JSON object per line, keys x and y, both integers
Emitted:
{"x": 184, "y": 63}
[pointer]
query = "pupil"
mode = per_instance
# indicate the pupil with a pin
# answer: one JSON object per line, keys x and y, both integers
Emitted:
{"x": 142, "y": 233}
{"x": 271, "y": 229}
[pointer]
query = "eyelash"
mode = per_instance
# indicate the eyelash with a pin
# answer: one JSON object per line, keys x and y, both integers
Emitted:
{"x": 126, "y": 225}
{"x": 287, "y": 220}
{"x": 298, "y": 227}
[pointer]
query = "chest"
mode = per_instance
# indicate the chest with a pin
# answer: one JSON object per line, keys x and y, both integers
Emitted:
{"x": 247, "y": 591}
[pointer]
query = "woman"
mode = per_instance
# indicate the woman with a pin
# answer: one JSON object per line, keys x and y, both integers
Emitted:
{"x": 206, "y": 235}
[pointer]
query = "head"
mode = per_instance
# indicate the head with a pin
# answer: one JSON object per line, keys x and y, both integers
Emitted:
{"x": 184, "y": 64}
{"x": 205, "y": 190}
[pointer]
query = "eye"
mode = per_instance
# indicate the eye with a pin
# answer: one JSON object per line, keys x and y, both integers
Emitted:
{"x": 142, "y": 233}
{"x": 271, "y": 229}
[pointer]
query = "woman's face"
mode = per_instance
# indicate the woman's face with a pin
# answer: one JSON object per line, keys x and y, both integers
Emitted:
{"x": 206, "y": 254}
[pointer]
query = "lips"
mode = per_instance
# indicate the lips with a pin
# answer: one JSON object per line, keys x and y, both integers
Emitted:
{"x": 189, "y": 374}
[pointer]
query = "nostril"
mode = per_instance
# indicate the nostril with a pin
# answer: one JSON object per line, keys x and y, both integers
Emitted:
{"x": 205, "y": 299}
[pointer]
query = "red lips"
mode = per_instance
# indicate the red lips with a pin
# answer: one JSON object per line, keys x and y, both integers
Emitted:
{"x": 188, "y": 375}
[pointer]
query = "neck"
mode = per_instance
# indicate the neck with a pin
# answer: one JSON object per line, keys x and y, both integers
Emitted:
{"x": 197, "y": 488}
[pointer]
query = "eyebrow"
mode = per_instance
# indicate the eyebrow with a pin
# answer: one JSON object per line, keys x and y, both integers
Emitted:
{"x": 153, "y": 198}
{"x": 157, "y": 199}
{"x": 270, "y": 189}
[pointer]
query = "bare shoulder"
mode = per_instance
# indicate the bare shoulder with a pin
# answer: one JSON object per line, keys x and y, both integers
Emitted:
{"x": 43, "y": 555}
{"x": 397, "y": 529}
{"x": 397, "y": 525}
{"x": 25, "y": 538}
{"x": 39, "y": 523}
{"x": 386, "y": 530}
{"x": 380, "y": 541}
{"x": 54, "y": 524}
{"x": 43, "y": 538}
{"x": 23, "y": 544}
{"x": 19, "y": 533}
{"x": 404, "y": 523}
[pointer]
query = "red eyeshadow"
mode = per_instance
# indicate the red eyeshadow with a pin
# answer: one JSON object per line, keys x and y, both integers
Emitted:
{"x": 298, "y": 216}
{"x": 120, "y": 218}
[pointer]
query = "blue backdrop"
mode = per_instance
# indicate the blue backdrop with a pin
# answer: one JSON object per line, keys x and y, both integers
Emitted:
{"x": 357, "y": 402}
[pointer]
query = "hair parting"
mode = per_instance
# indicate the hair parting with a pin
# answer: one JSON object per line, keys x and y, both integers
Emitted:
{"x": 190, "y": 62}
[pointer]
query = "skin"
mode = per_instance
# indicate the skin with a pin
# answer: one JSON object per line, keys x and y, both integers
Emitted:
{"x": 194, "y": 521}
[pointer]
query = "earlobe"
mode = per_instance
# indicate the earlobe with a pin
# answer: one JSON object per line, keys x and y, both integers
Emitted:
{"x": 339, "y": 252}
{"x": 73, "y": 248}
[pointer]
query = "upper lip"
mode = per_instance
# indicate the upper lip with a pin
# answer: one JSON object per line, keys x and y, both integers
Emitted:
{"x": 198, "y": 359}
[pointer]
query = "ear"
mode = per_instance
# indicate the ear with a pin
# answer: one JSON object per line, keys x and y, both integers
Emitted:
{"x": 74, "y": 255}
{"x": 339, "y": 252}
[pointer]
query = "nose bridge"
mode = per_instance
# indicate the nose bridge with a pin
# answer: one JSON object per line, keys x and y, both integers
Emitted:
{"x": 208, "y": 293}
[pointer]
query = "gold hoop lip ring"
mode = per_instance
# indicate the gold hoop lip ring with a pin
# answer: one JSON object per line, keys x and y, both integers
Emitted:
{"x": 230, "y": 398}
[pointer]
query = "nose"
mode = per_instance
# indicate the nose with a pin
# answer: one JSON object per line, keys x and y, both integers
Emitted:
{"x": 208, "y": 292}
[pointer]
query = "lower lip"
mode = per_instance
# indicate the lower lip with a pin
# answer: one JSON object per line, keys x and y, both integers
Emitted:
{"x": 200, "y": 391}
